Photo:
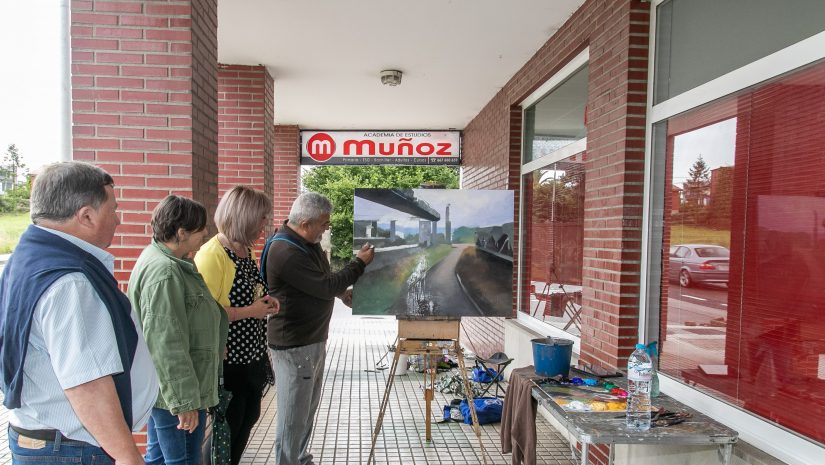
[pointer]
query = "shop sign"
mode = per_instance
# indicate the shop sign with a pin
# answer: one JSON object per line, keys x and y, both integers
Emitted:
{"x": 380, "y": 147}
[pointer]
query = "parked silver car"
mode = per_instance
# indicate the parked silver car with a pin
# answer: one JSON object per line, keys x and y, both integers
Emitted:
{"x": 692, "y": 264}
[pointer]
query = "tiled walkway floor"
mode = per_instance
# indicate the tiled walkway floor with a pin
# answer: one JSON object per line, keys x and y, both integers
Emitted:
{"x": 352, "y": 396}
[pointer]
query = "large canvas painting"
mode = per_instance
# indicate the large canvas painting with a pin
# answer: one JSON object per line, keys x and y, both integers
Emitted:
{"x": 439, "y": 252}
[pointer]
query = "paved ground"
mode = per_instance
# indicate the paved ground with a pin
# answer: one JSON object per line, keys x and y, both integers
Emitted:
{"x": 350, "y": 403}
{"x": 352, "y": 395}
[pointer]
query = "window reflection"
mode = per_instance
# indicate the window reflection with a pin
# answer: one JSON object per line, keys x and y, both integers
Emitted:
{"x": 554, "y": 243}
{"x": 698, "y": 261}
{"x": 558, "y": 119}
{"x": 743, "y": 266}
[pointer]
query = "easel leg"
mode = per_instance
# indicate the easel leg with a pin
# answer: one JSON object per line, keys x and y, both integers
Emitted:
{"x": 384, "y": 401}
{"x": 429, "y": 386}
{"x": 469, "y": 391}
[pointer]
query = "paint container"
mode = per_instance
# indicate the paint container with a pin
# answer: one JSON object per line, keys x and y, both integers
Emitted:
{"x": 551, "y": 356}
{"x": 403, "y": 364}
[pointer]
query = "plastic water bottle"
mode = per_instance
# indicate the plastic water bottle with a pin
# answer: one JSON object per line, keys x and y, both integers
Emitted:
{"x": 639, "y": 376}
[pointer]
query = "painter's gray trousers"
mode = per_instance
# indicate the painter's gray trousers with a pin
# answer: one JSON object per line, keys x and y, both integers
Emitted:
{"x": 299, "y": 374}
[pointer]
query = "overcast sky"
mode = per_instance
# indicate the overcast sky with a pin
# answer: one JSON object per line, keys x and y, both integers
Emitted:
{"x": 716, "y": 143}
{"x": 467, "y": 208}
{"x": 30, "y": 79}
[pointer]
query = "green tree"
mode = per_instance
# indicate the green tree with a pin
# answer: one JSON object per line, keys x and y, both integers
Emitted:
{"x": 339, "y": 184}
{"x": 13, "y": 165}
{"x": 16, "y": 197}
{"x": 698, "y": 182}
{"x": 560, "y": 199}
{"x": 697, "y": 193}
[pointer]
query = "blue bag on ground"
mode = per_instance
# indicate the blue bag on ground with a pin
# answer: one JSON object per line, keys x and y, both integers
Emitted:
{"x": 481, "y": 375}
{"x": 488, "y": 410}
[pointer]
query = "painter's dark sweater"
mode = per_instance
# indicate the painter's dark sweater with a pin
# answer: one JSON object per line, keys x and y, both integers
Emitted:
{"x": 298, "y": 274}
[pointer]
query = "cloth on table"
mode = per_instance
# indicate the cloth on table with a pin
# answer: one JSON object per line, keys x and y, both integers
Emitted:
{"x": 518, "y": 420}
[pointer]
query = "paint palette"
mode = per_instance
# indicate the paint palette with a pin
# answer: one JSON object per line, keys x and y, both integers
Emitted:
{"x": 585, "y": 399}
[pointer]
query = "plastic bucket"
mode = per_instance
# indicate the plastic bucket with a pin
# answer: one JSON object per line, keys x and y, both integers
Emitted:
{"x": 403, "y": 365}
{"x": 551, "y": 356}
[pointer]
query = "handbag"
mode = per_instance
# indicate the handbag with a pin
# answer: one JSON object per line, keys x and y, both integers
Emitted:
{"x": 215, "y": 449}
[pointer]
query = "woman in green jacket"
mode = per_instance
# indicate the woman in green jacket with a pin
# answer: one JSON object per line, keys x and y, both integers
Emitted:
{"x": 185, "y": 329}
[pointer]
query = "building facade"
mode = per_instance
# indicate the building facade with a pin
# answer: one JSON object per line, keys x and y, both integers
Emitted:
{"x": 666, "y": 158}
{"x": 727, "y": 137}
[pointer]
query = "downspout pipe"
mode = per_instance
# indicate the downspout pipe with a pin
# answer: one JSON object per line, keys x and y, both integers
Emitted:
{"x": 65, "y": 82}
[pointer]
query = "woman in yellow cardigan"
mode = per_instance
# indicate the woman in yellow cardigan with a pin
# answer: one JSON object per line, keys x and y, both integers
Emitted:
{"x": 231, "y": 272}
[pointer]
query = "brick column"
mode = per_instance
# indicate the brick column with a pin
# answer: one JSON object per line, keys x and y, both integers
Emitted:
{"x": 616, "y": 32}
{"x": 615, "y": 184}
{"x": 287, "y": 170}
{"x": 246, "y": 131}
{"x": 144, "y": 106}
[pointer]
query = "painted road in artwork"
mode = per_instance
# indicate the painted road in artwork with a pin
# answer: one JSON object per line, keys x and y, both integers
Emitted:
{"x": 438, "y": 252}
{"x": 437, "y": 286}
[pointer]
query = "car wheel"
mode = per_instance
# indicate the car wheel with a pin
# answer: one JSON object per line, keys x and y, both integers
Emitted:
{"x": 685, "y": 279}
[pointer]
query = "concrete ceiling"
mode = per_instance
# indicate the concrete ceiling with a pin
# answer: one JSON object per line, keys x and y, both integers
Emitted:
{"x": 325, "y": 56}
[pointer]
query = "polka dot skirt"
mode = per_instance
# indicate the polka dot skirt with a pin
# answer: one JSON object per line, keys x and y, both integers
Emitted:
{"x": 247, "y": 337}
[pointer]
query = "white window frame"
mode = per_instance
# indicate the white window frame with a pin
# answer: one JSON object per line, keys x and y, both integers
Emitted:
{"x": 780, "y": 442}
{"x": 578, "y": 146}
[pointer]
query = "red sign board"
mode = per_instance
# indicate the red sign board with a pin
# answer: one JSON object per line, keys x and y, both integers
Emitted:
{"x": 380, "y": 147}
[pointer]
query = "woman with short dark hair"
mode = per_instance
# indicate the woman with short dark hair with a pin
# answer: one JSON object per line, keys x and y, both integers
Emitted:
{"x": 230, "y": 270}
{"x": 185, "y": 330}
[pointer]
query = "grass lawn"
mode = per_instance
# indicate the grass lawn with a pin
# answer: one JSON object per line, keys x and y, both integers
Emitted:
{"x": 12, "y": 226}
{"x": 684, "y": 234}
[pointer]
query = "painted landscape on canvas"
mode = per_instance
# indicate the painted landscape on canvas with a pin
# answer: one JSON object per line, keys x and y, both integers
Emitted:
{"x": 439, "y": 252}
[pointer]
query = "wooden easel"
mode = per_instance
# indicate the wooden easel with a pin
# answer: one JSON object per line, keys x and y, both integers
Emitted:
{"x": 429, "y": 337}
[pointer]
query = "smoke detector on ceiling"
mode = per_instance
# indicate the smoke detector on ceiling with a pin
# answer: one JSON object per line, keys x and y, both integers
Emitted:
{"x": 391, "y": 77}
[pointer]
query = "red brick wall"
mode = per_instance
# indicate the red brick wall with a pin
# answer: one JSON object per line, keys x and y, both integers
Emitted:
{"x": 204, "y": 26}
{"x": 287, "y": 170}
{"x": 615, "y": 167}
{"x": 616, "y": 32}
{"x": 487, "y": 146}
{"x": 245, "y": 129}
{"x": 144, "y": 106}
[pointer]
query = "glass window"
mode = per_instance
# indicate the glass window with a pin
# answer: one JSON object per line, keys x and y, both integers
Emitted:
{"x": 733, "y": 34}
{"x": 557, "y": 120}
{"x": 741, "y": 307}
{"x": 553, "y": 224}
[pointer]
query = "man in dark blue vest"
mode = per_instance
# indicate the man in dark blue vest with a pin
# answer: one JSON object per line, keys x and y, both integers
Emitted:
{"x": 76, "y": 373}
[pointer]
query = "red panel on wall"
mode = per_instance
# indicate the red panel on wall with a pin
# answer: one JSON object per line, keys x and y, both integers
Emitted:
{"x": 759, "y": 342}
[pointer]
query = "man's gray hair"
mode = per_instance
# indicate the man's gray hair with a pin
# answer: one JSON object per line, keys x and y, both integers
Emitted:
{"x": 62, "y": 189}
{"x": 309, "y": 206}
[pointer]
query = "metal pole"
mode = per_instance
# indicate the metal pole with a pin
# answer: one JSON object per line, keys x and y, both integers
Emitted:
{"x": 65, "y": 83}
